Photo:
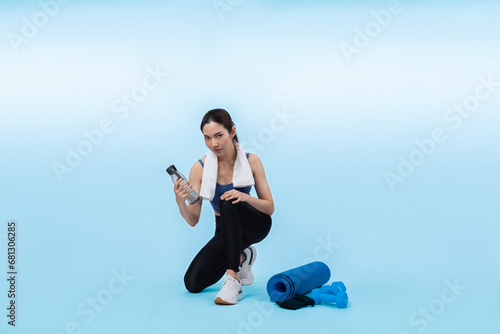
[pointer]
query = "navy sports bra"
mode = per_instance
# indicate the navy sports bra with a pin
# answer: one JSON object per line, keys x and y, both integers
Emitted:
{"x": 222, "y": 188}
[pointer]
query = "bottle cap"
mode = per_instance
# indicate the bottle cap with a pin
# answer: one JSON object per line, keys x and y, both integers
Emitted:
{"x": 171, "y": 170}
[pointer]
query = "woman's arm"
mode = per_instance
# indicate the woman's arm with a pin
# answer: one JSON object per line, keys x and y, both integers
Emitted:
{"x": 190, "y": 213}
{"x": 264, "y": 203}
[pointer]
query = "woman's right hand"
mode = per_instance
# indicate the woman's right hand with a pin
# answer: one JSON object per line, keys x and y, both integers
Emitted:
{"x": 180, "y": 193}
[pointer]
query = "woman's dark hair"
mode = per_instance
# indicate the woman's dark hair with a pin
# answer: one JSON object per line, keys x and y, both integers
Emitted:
{"x": 220, "y": 116}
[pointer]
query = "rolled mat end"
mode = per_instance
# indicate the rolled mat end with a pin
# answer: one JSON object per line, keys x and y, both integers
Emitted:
{"x": 301, "y": 280}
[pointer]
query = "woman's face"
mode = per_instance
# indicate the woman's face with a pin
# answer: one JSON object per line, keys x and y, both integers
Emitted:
{"x": 217, "y": 138}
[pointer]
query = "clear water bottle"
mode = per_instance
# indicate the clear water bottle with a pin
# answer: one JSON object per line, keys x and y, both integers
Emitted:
{"x": 193, "y": 197}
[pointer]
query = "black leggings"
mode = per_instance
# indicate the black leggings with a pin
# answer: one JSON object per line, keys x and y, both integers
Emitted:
{"x": 238, "y": 226}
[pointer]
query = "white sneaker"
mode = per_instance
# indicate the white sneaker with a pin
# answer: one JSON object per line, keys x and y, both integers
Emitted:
{"x": 230, "y": 293}
{"x": 245, "y": 273}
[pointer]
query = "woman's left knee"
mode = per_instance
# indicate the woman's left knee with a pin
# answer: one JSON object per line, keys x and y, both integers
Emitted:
{"x": 228, "y": 206}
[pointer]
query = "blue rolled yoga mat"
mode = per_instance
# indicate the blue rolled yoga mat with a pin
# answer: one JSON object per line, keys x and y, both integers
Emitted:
{"x": 301, "y": 280}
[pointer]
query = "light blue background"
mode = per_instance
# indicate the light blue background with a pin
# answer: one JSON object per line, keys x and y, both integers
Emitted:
{"x": 349, "y": 124}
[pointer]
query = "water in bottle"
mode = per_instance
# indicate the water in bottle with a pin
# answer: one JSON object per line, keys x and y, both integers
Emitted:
{"x": 193, "y": 197}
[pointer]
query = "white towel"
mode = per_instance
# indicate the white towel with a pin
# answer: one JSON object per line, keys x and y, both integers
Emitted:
{"x": 242, "y": 173}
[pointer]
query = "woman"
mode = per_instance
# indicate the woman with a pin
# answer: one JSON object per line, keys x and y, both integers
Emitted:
{"x": 240, "y": 219}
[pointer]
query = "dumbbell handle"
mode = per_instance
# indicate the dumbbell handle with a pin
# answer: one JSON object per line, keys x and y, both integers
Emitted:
{"x": 328, "y": 297}
{"x": 333, "y": 288}
{"x": 340, "y": 299}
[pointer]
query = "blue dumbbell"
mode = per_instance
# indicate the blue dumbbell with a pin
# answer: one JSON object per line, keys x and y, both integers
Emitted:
{"x": 333, "y": 288}
{"x": 340, "y": 298}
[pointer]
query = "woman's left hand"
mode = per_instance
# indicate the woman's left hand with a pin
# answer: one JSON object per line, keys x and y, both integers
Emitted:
{"x": 233, "y": 193}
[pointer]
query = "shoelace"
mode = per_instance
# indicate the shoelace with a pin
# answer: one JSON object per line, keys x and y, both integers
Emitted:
{"x": 233, "y": 283}
{"x": 226, "y": 281}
